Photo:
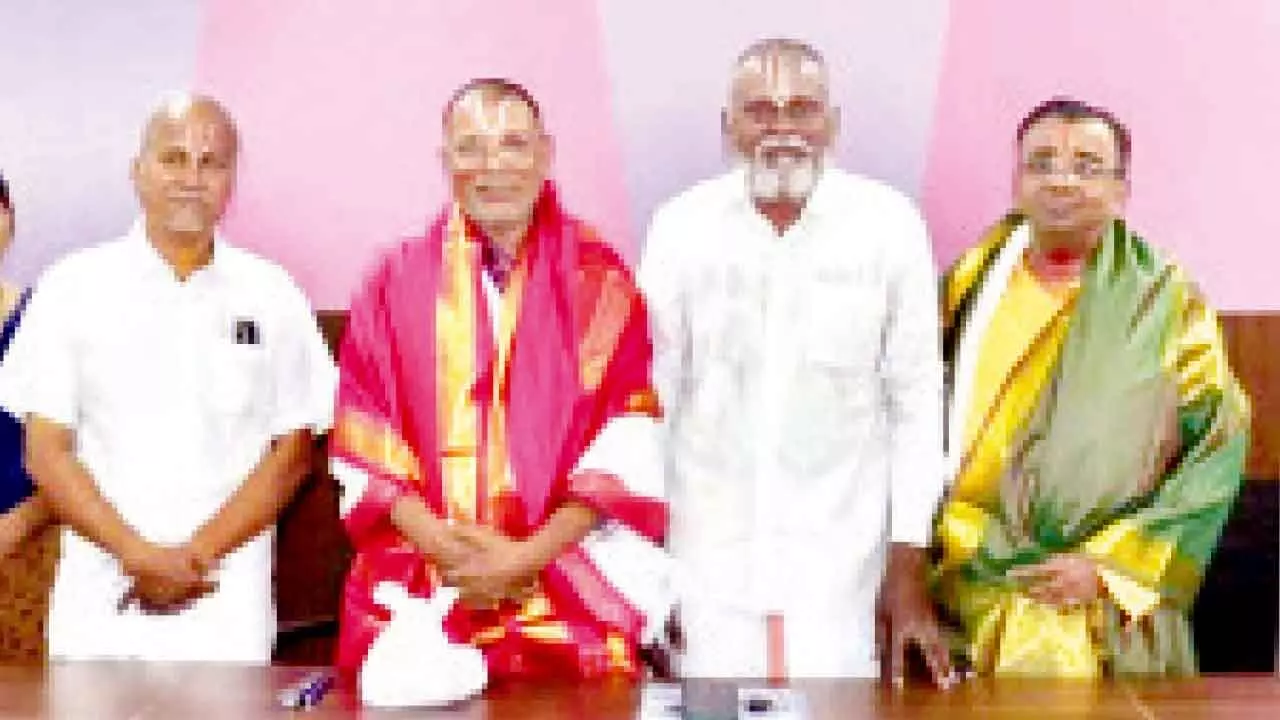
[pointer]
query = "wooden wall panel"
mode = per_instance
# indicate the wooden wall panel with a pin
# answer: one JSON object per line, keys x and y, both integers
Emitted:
{"x": 1253, "y": 342}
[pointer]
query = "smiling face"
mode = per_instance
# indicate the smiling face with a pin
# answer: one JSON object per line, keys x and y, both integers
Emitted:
{"x": 185, "y": 170}
{"x": 1069, "y": 177}
{"x": 496, "y": 155}
{"x": 780, "y": 122}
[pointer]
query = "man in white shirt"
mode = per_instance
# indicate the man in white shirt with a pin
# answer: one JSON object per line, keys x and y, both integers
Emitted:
{"x": 170, "y": 385}
{"x": 796, "y": 355}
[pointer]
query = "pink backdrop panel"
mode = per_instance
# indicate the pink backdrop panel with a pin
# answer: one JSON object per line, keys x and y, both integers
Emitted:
{"x": 339, "y": 106}
{"x": 1188, "y": 77}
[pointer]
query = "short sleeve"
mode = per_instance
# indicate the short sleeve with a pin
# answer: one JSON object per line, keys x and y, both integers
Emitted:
{"x": 305, "y": 377}
{"x": 39, "y": 374}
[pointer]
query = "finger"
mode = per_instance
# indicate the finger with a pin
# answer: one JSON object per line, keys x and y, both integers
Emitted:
{"x": 182, "y": 574}
{"x": 897, "y": 658}
{"x": 938, "y": 660}
{"x": 1030, "y": 572}
{"x": 474, "y": 535}
{"x": 1061, "y": 562}
{"x": 447, "y": 560}
{"x": 1042, "y": 593}
{"x": 205, "y": 587}
{"x": 161, "y": 602}
{"x": 883, "y": 644}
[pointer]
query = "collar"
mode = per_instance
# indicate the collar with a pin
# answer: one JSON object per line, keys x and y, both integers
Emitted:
{"x": 814, "y": 208}
{"x": 152, "y": 264}
{"x": 494, "y": 261}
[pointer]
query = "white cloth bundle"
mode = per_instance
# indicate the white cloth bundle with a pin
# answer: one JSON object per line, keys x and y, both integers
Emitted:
{"x": 412, "y": 662}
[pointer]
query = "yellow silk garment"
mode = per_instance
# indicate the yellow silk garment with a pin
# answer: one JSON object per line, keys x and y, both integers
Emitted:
{"x": 1005, "y": 632}
{"x": 483, "y": 492}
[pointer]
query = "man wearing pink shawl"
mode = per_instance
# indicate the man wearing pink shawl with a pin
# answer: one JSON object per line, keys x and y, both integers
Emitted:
{"x": 496, "y": 425}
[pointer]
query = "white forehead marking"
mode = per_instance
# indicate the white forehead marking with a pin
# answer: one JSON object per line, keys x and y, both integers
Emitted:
{"x": 174, "y": 104}
{"x": 755, "y": 64}
{"x": 774, "y": 66}
{"x": 172, "y": 107}
{"x": 488, "y": 123}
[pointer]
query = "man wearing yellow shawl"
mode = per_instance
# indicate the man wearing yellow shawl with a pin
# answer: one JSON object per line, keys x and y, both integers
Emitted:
{"x": 1096, "y": 436}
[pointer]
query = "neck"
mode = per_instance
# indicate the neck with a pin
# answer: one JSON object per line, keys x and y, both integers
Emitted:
{"x": 1061, "y": 255}
{"x": 506, "y": 236}
{"x": 781, "y": 214}
{"x": 184, "y": 252}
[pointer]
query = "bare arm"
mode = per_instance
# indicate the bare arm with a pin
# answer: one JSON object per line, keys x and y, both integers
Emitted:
{"x": 257, "y": 503}
{"x": 565, "y": 528}
{"x": 71, "y": 492}
{"x": 412, "y": 517}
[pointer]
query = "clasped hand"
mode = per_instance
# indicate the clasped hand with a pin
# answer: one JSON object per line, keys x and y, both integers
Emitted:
{"x": 485, "y": 565}
{"x": 1066, "y": 581}
{"x": 166, "y": 579}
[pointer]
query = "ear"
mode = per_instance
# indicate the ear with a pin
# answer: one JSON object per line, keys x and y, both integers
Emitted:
{"x": 548, "y": 150}
{"x": 1015, "y": 185}
{"x": 727, "y": 139}
{"x": 135, "y": 175}
{"x": 836, "y": 118}
{"x": 447, "y": 168}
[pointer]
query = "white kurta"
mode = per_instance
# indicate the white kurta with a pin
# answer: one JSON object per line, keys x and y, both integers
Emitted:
{"x": 170, "y": 415}
{"x": 801, "y": 381}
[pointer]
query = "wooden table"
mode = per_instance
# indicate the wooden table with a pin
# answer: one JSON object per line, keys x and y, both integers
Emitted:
{"x": 125, "y": 690}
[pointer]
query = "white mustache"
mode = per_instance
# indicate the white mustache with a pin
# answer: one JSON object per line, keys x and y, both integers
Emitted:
{"x": 788, "y": 176}
{"x": 783, "y": 142}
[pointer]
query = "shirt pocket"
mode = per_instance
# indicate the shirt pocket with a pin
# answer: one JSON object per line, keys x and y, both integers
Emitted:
{"x": 238, "y": 380}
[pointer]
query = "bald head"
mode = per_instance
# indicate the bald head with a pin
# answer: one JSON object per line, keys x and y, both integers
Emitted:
{"x": 185, "y": 167}
{"x": 475, "y": 95}
{"x": 187, "y": 108}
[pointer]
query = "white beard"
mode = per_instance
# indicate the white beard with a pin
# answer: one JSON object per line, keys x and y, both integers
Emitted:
{"x": 787, "y": 177}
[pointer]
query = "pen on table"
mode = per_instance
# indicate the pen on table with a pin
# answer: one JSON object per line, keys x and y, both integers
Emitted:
{"x": 308, "y": 692}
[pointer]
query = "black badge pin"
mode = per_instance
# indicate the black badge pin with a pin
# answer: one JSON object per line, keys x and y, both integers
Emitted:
{"x": 246, "y": 332}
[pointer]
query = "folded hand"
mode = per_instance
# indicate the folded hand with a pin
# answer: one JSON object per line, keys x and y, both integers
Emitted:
{"x": 1067, "y": 581}
{"x": 166, "y": 579}
{"x": 495, "y": 567}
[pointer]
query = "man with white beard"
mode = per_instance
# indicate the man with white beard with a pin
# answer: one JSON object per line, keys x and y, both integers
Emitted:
{"x": 796, "y": 355}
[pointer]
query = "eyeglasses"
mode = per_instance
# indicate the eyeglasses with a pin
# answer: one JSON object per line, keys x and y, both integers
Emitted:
{"x": 513, "y": 151}
{"x": 799, "y": 111}
{"x": 1082, "y": 168}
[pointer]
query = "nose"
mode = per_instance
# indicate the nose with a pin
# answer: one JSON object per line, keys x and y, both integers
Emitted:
{"x": 780, "y": 123}
{"x": 1062, "y": 181}
{"x": 190, "y": 175}
{"x": 492, "y": 160}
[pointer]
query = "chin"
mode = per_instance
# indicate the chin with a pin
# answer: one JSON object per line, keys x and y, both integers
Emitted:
{"x": 1055, "y": 223}
{"x": 503, "y": 213}
{"x": 188, "y": 229}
